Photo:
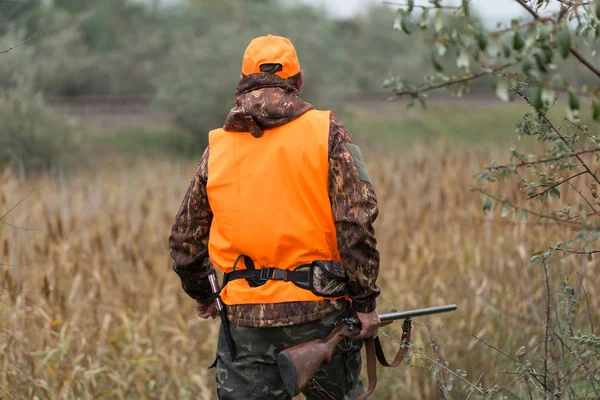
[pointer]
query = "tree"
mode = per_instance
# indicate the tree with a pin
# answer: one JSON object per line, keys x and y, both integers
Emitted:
{"x": 533, "y": 60}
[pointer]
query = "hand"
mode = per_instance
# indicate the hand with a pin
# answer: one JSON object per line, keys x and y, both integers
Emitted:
{"x": 370, "y": 322}
{"x": 206, "y": 311}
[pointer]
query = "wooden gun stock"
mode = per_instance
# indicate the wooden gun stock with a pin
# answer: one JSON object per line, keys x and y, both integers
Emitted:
{"x": 298, "y": 364}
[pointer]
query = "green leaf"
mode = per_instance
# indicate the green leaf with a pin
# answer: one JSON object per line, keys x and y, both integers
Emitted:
{"x": 564, "y": 40}
{"x": 434, "y": 60}
{"x": 541, "y": 61}
{"x": 487, "y": 204}
{"x": 528, "y": 64}
{"x": 536, "y": 98}
{"x": 506, "y": 50}
{"x": 502, "y": 90}
{"x": 548, "y": 95}
{"x": 505, "y": 209}
{"x": 397, "y": 23}
{"x": 411, "y": 5}
{"x": 545, "y": 32}
{"x": 535, "y": 259}
{"x": 596, "y": 109}
{"x": 573, "y": 99}
{"x": 482, "y": 40}
{"x": 463, "y": 60}
{"x": 439, "y": 21}
{"x": 465, "y": 8}
{"x": 405, "y": 23}
{"x": 518, "y": 42}
{"x": 548, "y": 53}
{"x": 424, "y": 22}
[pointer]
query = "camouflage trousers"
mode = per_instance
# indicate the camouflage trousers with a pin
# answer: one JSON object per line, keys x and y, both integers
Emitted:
{"x": 254, "y": 373}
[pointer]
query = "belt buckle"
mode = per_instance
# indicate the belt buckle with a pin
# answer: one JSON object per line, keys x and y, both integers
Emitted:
{"x": 280, "y": 274}
{"x": 265, "y": 274}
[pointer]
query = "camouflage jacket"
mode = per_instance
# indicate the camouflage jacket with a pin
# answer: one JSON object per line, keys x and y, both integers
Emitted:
{"x": 265, "y": 101}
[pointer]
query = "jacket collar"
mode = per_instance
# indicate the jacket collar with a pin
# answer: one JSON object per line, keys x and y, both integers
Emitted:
{"x": 264, "y": 101}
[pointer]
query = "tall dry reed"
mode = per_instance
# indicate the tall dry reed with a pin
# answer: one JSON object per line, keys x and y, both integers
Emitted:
{"x": 90, "y": 308}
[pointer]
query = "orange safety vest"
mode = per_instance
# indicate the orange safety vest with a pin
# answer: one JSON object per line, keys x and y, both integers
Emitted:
{"x": 270, "y": 201}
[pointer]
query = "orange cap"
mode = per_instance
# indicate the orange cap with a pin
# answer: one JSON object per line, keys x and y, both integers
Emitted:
{"x": 271, "y": 50}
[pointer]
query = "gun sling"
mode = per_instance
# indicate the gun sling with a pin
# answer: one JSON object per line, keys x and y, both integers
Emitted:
{"x": 374, "y": 351}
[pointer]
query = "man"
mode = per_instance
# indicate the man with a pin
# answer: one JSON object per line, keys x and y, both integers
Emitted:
{"x": 282, "y": 203}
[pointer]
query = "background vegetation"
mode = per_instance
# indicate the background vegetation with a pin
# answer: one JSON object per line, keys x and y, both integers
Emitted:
{"x": 89, "y": 307}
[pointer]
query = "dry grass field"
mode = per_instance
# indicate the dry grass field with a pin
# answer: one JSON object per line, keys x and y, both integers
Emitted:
{"x": 90, "y": 308}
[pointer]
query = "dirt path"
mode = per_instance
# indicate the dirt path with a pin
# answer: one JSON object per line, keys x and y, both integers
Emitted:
{"x": 110, "y": 114}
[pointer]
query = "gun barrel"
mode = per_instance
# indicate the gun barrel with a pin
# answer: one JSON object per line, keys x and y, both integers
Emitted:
{"x": 416, "y": 313}
{"x": 214, "y": 286}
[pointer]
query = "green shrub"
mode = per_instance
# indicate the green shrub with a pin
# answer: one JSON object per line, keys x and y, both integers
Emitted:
{"x": 32, "y": 137}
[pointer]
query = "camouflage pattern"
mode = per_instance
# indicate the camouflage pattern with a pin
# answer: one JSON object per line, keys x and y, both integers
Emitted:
{"x": 323, "y": 282}
{"x": 266, "y": 101}
{"x": 283, "y": 314}
{"x": 254, "y": 373}
{"x": 355, "y": 209}
{"x": 188, "y": 242}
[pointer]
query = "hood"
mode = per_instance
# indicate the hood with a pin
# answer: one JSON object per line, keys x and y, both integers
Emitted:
{"x": 264, "y": 101}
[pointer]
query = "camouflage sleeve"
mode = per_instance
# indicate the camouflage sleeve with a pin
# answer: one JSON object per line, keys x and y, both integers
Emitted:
{"x": 354, "y": 207}
{"x": 188, "y": 242}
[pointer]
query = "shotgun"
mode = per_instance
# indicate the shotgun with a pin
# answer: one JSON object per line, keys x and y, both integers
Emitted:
{"x": 298, "y": 364}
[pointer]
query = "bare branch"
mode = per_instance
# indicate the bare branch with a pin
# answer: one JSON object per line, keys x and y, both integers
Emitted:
{"x": 22, "y": 228}
{"x": 19, "y": 265}
{"x": 494, "y": 348}
{"x": 451, "y": 82}
{"x": 579, "y": 252}
{"x": 583, "y": 130}
{"x": 15, "y": 206}
{"x": 534, "y": 213}
{"x": 533, "y": 196}
{"x": 544, "y": 160}
{"x": 25, "y": 41}
{"x": 547, "y": 329}
{"x": 584, "y": 198}
{"x": 393, "y": 3}
{"x": 425, "y": 356}
{"x": 587, "y": 302}
{"x": 574, "y": 3}
{"x": 519, "y": 27}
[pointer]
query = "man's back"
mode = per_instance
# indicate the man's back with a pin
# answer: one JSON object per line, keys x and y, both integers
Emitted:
{"x": 269, "y": 198}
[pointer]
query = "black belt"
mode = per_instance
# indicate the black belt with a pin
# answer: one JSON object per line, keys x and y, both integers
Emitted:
{"x": 258, "y": 277}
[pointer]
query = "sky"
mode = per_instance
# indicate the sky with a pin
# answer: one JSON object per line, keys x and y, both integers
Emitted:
{"x": 492, "y": 11}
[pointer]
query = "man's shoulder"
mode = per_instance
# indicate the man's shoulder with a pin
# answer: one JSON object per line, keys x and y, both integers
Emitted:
{"x": 338, "y": 134}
